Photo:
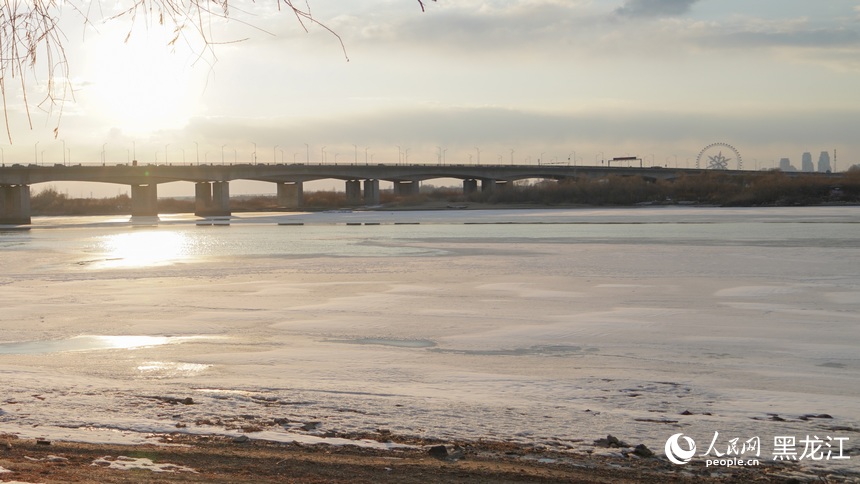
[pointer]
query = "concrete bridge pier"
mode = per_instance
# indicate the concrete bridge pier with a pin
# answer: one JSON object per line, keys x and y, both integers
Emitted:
{"x": 353, "y": 191}
{"x": 15, "y": 204}
{"x": 488, "y": 184}
{"x": 371, "y": 192}
{"x": 406, "y": 188}
{"x": 202, "y": 198}
{"x": 290, "y": 194}
{"x": 144, "y": 200}
{"x": 470, "y": 186}
{"x": 212, "y": 199}
{"x": 221, "y": 197}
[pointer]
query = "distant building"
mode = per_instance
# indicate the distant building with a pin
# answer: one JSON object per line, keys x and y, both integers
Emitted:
{"x": 824, "y": 162}
{"x": 785, "y": 165}
{"x": 806, "y": 162}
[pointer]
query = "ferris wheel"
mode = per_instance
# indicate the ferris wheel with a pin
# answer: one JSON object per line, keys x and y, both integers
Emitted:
{"x": 718, "y": 156}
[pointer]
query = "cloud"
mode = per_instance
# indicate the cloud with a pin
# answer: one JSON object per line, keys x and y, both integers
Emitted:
{"x": 836, "y": 47}
{"x": 576, "y": 31}
{"x": 468, "y": 28}
{"x": 762, "y": 134}
{"x": 654, "y": 8}
{"x": 818, "y": 38}
{"x": 497, "y": 130}
{"x": 561, "y": 32}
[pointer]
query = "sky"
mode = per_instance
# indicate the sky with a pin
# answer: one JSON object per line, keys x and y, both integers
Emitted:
{"x": 466, "y": 81}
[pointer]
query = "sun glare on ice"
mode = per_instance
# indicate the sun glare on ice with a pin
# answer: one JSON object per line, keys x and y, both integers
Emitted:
{"x": 142, "y": 249}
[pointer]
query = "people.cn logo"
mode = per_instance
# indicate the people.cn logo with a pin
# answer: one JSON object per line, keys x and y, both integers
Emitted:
{"x": 678, "y": 455}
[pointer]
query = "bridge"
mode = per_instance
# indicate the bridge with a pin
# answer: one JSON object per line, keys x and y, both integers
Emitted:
{"x": 212, "y": 190}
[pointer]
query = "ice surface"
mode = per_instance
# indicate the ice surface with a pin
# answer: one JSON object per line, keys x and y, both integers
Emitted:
{"x": 555, "y": 330}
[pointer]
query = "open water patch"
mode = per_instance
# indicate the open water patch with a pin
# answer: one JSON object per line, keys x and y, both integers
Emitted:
{"x": 399, "y": 343}
{"x": 541, "y": 350}
{"x": 88, "y": 343}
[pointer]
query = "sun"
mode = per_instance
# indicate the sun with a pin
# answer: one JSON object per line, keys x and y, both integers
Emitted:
{"x": 142, "y": 84}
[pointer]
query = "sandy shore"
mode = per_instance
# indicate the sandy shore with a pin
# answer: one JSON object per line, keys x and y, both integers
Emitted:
{"x": 211, "y": 459}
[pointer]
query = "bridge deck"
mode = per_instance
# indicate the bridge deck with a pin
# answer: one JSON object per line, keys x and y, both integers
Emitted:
{"x": 147, "y": 174}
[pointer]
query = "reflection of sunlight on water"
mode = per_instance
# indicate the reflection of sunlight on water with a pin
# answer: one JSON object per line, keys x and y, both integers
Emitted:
{"x": 90, "y": 343}
{"x": 164, "y": 369}
{"x": 146, "y": 248}
{"x": 125, "y": 342}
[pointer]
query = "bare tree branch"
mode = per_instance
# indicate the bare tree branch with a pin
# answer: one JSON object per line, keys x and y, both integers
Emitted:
{"x": 31, "y": 40}
{"x": 26, "y": 29}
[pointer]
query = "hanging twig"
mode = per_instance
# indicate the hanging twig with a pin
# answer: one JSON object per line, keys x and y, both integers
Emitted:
{"x": 31, "y": 27}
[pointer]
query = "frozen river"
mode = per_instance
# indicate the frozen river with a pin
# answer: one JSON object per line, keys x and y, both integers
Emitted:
{"x": 545, "y": 327}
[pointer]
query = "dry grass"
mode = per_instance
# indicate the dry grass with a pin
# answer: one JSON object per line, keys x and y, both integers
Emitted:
{"x": 220, "y": 460}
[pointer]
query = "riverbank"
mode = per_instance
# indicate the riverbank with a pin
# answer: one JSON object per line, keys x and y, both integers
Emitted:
{"x": 213, "y": 459}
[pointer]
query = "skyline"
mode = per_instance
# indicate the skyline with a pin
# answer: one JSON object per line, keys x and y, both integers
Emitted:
{"x": 655, "y": 79}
